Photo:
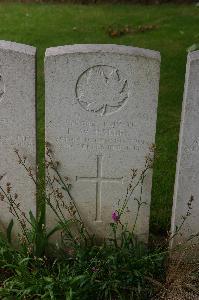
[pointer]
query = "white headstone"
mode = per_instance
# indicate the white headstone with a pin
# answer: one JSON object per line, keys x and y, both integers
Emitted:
{"x": 187, "y": 169}
{"x": 101, "y": 103}
{"x": 17, "y": 124}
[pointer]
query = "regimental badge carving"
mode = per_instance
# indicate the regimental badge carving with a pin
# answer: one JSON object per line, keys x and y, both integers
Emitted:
{"x": 102, "y": 89}
{"x": 2, "y": 87}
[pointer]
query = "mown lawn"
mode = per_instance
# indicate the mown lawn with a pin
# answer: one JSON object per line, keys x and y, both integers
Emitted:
{"x": 176, "y": 28}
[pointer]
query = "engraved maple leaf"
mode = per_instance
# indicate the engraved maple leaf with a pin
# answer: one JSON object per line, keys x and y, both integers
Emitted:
{"x": 103, "y": 88}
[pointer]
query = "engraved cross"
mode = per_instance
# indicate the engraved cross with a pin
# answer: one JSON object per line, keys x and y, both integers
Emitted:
{"x": 98, "y": 182}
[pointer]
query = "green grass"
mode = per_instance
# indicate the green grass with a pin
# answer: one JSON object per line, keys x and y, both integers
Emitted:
{"x": 52, "y": 25}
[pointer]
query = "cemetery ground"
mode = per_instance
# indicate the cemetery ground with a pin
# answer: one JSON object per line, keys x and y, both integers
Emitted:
{"x": 170, "y": 29}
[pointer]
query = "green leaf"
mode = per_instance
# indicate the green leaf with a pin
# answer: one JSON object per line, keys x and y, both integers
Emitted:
{"x": 9, "y": 231}
{"x": 32, "y": 219}
{"x": 48, "y": 279}
{"x": 24, "y": 260}
{"x": 51, "y": 232}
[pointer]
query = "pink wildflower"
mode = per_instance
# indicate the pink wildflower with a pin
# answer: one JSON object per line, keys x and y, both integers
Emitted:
{"x": 115, "y": 216}
{"x": 95, "y": 269}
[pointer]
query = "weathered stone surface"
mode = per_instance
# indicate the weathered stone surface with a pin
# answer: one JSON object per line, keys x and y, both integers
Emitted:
{"x": 187, "y": 170}
{"x": 17, "y": 123}
{"x": 101, "y": 103}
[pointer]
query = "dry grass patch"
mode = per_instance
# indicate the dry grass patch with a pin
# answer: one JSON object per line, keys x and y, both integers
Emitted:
{"x": 182, "y": 279}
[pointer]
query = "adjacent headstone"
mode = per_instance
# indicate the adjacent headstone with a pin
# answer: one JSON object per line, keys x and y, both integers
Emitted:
{"x": 101, "y": 106}
{"x": 187, "y": 170}
{"x": 17, "y": 125}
